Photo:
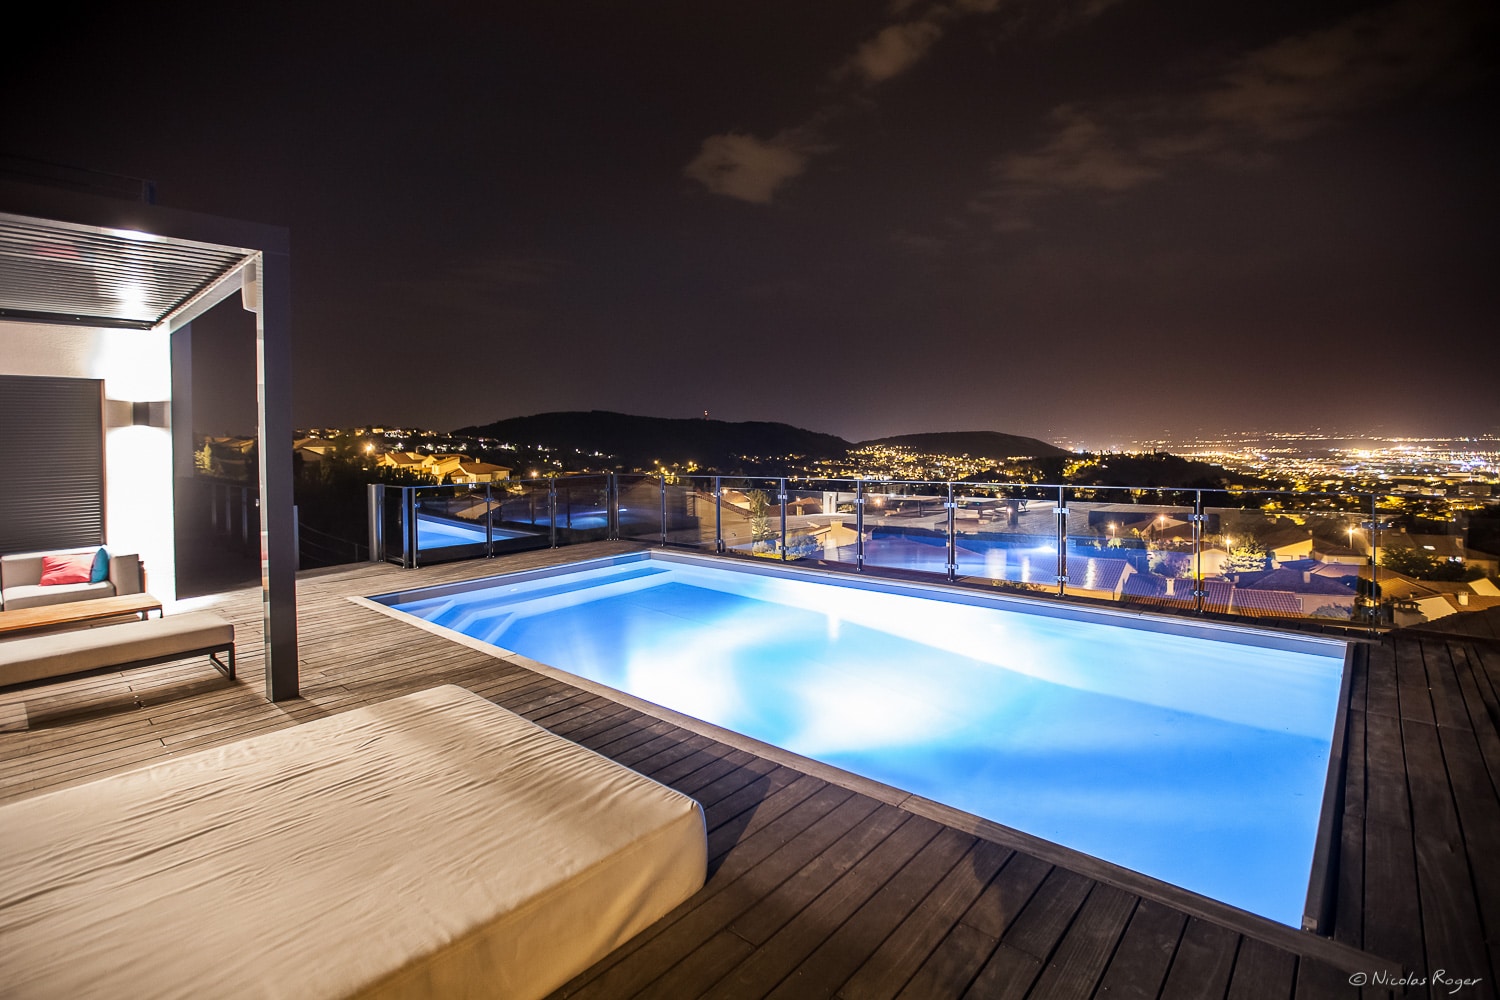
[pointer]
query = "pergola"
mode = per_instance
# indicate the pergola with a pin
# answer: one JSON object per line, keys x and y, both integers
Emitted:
{"x": 75, "y": 259}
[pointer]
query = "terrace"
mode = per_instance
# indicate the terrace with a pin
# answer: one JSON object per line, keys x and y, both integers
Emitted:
{"x": 823, "y": 884}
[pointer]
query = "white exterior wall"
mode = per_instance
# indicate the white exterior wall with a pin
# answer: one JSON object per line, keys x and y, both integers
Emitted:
{"x": 136, "y": 366}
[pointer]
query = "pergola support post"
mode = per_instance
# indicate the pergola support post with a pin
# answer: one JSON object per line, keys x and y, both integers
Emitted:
{"x": 267, "y": 292}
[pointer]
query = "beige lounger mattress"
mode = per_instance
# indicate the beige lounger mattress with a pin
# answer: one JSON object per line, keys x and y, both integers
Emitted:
{"x": 434, "y": 845}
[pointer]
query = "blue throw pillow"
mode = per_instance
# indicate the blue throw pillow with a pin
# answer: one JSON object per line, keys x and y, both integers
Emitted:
{"x": 100, "y": 572}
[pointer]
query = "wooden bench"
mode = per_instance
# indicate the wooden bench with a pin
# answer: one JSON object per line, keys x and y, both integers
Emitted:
{"x": 129, "y": 644}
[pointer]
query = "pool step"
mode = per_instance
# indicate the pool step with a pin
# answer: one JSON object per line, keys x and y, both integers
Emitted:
{"x": 471, "y": 613}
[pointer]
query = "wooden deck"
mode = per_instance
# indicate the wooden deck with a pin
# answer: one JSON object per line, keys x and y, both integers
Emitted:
{"x": 822, "y": 885}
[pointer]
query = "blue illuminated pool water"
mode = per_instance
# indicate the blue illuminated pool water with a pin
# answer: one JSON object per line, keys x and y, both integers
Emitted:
{"x": 1193, "y": 759}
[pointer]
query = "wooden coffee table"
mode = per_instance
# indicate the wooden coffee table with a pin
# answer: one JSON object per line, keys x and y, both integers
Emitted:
{"x": 77, "y": 613}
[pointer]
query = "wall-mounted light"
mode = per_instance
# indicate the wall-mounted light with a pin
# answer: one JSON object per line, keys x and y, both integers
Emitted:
{"x": 139, "y": 413}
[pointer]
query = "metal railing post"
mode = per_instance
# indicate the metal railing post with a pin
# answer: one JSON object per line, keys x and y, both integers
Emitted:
{"x": 552, "y": 511}
{"x": 952, "y": 539}
{"x": 1375, "y": 601}
{"x": 781, "y": 496}
{"x": 611, "y": 506}
{"x": 413, "y": 532}
{"x": 859, "y": 525}
{"x": 1198, "y": 591}
{"x": 1062, "y": 543}
{"x": 375, "y": 511}
{"x": 718, "y": 516}
{"x": 662, "y": 479}
{"x": 489, "y": 524}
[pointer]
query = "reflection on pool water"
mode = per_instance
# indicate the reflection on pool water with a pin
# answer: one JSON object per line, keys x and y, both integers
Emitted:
{"x": 435, "y": 533}
{"x": 1193, "y": 759}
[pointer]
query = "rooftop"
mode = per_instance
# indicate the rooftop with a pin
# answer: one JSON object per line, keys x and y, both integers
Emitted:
{"x": 823, "y": 884}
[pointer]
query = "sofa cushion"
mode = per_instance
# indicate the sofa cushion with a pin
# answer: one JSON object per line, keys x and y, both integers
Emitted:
{"x": 75, "y": 568}
{"x": 100, "y": 571}
{"x": 35, "y": 595}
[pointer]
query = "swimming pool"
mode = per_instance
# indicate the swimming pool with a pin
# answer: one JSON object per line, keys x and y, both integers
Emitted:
{"x": 1191, "y": 752}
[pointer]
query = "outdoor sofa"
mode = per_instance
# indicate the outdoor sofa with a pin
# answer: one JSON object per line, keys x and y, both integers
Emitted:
{"x": 21, "y": 576}
{"x": 433, "y": 845}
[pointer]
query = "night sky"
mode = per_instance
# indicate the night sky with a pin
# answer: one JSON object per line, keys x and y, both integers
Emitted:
{"x": 1095, "y": 219}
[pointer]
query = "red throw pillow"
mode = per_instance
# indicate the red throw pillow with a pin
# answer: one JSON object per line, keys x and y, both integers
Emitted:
{"x": 67, "y": 569}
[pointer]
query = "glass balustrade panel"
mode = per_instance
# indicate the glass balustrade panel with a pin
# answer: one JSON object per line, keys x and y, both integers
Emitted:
{"x": 1006, "y": 536}
{"x": 1285, "y": 556}
{"x": 582, "y": 508}
{"x": 817, "y": 532}
{"x": 640, "y": 509}
{"x": 1118, "y": 546}
{"x": 750, "y": 516}
{"x": 906, "y": 527}
{"x": 450, "y": 523}
{"x": 1426, "y": 568}
{"x": 689, "y": 511}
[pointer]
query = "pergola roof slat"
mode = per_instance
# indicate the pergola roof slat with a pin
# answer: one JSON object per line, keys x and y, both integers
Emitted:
{"x": 59, "y": 272}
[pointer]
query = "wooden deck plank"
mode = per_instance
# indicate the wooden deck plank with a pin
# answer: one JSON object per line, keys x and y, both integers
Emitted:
{"x": 844, "y": 951}
{"x": 1041, "y": 923}
{"x": 1451, "y": 930}
{"x": 886, "y": 972}
{"x": 1484, "y": 715}
{"x": 768, "y": 860}
{"x": 770, "y": 914}
{"x": 1411, "y": 682}
{"x": 1080, "y": 958}
{"x": 1380, "y": 681}
{"x": 1448, "y": 708}
{"x": 1008, "y": 975}
{"x": 1203, "y": 963}
{"x": 1139, "y": 966}
{"x": 780, "y": 953}
{"x": 1004, "y": 898}
{"x": 1393, "y": 929}
{"x": 1479, "y": 816}
{"x": 1321, "y": 981}
{"x": 1349, "y": 884}
{"x": 1261, "y": 971}
{"x": 1385, "y": 771}
{"x": 952, "y": 966}
{"x": 771, "y": 909}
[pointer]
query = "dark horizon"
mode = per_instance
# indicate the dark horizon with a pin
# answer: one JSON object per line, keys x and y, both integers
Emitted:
{"x": 1131, "y": 219}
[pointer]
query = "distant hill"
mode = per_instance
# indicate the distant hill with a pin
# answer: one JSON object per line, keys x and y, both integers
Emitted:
{"x": 637, "y": 442}
{"x": 1162, "y": 470}
{"x": 976, "y": 444}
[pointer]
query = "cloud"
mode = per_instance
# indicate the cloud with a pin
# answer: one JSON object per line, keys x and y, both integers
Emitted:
{"x": 1299, "y": 84}
{"x": 1081, "y": 154}
{"x": 1275, "y": 94}
{"x": 893, "y": 51}
{"x": 745, "y": 168}
{"x": 750, "y": 169}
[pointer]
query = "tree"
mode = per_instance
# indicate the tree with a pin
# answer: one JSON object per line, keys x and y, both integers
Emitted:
{"x": 760, "y": 528}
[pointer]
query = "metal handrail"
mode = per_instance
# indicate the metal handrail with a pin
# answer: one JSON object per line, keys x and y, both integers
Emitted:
{"x": 679, "y": 519}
